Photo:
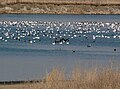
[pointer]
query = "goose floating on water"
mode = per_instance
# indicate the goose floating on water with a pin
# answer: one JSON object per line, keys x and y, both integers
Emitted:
{"x": 36, "y": 30}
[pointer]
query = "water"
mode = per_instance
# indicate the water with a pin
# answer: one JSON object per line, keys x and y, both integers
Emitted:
{"x": 30, "y": 45}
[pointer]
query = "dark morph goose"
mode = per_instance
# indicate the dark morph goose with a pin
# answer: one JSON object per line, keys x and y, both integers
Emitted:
{"x": 63, "y": 40}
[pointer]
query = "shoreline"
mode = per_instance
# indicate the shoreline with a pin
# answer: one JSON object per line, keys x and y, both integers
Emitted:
{"x": 56, "y": 79}
{"x": 19, "y": 82}
{"x": 59, "y": 8}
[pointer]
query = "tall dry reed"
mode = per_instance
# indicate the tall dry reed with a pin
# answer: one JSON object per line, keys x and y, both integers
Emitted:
{"x": 106, "y": 78}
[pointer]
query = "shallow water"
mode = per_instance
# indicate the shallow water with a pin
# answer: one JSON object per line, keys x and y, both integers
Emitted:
{"x": 30, "y": 45}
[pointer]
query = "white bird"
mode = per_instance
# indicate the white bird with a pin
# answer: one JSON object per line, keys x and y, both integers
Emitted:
{"x": 31, "y": 41}
{"x": 94, "y": 37}
{"x": 1, "y": 38}
{"x": 67, "y": 43}
{"x": 53, "y": 43}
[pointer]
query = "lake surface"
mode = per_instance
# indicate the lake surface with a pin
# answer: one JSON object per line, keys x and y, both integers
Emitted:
{"x": 31, "y": 45}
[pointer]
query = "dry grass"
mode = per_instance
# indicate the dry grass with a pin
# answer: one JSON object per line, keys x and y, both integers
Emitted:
{"x": 60, "y": 6}
{"x": 64, "y": 1}
{"x": 56, "y": 79}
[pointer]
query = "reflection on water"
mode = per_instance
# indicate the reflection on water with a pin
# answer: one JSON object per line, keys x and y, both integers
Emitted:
{"x": 29, "y": 48}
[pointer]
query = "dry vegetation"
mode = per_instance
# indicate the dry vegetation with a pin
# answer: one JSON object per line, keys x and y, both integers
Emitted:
{"x": 60, "y": 6}
{"x": 64, "y": 1}
{"x": 56, "y": 79}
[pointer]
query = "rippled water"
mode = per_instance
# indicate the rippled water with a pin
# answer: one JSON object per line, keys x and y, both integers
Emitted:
{"x": 30, "y": 45}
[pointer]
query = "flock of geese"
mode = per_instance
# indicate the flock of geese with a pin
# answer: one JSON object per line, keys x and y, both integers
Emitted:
{"x": 57, "y": 33}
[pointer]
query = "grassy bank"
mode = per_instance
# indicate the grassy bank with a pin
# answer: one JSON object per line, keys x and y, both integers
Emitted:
{"x": 61, "y": 7}
{"x": 63, "y": 1}
{"x": 56, "y": 79}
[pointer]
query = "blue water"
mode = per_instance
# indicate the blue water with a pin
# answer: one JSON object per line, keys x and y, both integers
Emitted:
{"x": 30, "y": 45}
{"x": 105, "y": 18}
